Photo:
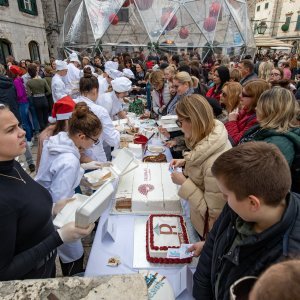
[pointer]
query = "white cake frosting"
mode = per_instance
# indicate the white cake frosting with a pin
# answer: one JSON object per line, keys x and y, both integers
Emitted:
{"x": 151, "y": 189}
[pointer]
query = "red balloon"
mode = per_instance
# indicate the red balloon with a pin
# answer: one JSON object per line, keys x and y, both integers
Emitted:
{"x": 183, "y": 33}
{"x": 164, "y": 19}
{"x": 126, "y": 3}
{"x": 113, "y": 19}
{"x": 144, "y": 4}
{"x": 214, "y": 9}
{"x": 210, "y": 24}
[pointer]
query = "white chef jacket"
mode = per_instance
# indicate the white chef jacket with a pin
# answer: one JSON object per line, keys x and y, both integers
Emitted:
{"x": 109, "y": 135}
{"x": 103, "y": 86}
{"x": 112, "y": 104}
{"x": 72, "y": 80}
{"x": 60, "y": 173}
{"x": 58, "y": 88}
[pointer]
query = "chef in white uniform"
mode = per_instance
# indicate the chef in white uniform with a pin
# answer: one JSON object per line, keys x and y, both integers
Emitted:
{"x": 60, "y": 172}
{"x": 58, "y": 86}
{"x": 113, "y": 100}
{"x": 105, "y": 79}
{"x": 72, "y": 78}
{"x": 88, "y": 87}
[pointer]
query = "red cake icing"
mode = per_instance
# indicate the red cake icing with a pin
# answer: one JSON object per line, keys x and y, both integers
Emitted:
{"x": 150, "y": 245}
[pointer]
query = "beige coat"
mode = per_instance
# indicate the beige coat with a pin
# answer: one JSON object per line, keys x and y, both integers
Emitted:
{"x": 200, "y": 188}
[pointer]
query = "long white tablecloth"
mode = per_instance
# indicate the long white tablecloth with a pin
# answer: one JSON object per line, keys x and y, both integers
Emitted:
{"x": 123, "y": 246}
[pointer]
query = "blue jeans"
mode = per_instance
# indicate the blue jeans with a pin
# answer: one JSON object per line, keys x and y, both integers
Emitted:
{"x": 35, "y": 122}
{"x": 24, "y": 112}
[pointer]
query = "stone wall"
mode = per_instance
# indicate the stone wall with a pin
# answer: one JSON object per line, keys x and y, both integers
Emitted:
{"x": 20, "y": 28}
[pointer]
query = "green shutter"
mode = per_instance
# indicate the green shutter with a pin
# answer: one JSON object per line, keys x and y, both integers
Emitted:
{"x": 298, "y": 24}
{"x": 21, "y": 5}
{"x": 4, "y": 2}
{"x": 34, "y": 7}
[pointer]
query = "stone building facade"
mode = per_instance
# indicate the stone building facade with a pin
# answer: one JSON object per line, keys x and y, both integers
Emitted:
{"x": 54, "y": 16}
{"x": 277, "y": 13}
{"x": 22, "y": 30}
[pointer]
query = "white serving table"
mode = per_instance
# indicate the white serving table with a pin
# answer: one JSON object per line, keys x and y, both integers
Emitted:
{"x": 123, "y": 247}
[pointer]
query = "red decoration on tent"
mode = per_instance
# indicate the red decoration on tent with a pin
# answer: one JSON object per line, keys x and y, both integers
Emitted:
{"x": 164, "y": 19}
{"x": 126, "y": 3}
{"x": 183, "y": 33}
{"x": 144, "y": 4}
{"x": 210, "y": 24}
{"x": 113, "y": 19}
{"x": 214, "y": 9}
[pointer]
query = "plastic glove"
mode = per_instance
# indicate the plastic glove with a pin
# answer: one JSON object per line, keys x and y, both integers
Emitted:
{"x": 92, "y": 165}
{"x": 69, "y": 233}
{"x": 58, "y": 206}
{"x": 197, "y": 248}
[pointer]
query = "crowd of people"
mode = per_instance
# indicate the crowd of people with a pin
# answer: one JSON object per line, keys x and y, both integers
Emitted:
{"x": 237, "y": 142}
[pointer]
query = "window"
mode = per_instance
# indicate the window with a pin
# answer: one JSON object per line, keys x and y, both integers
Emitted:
{"x": 266, "y": 5}
{"x": 123, "y": 15}
{"x": 258, "y": 8}
{"x": 4, "y": 2}
{"x": 34, "y": 51}
{"x": 5, "y": 50}
{"x": 28, "y": 6}
{"x": 255, "y": 27}
{"x": 288, "y": 20}
{"x": 298, "y": 24}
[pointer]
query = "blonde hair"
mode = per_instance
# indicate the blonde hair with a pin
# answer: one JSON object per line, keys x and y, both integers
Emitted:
{"x": 234, "y": 90}
{"x": 198, "y": 111}
{"x": 254, "y": 88}
{"x": 157, "y": 77}
{"x": 171, "y": 69}
{"x": 184, "y": 77}
{"x": 264, "y": 70}
{"x": 235, "y": 75}
{"x": 277, "y": 109}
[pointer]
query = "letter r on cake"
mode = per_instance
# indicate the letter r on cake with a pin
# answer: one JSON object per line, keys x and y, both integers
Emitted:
{"x": 167, "y": 229}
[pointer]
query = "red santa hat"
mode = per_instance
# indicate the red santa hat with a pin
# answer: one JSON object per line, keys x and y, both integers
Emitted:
{"x": 62, "y": 109}
{"x": 16, "y": 70}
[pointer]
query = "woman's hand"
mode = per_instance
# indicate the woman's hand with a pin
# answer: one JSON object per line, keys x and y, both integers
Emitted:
{"x": 58, "y": 206}
{"x": 69, "y": 233}
{"x": 164, "y": 132}
{"x": 170, "y": 144}
{"x": 177, "y": 163}
{"x": 178, "y": 178}
{"x": 197, "y": 248}
{"x": 233, "y": 116}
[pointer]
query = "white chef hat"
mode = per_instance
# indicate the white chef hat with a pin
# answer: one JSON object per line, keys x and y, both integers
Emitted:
{"x": 74, "y": 57}
{"x": 121, "y": 84}
{"x": 111, "y": 65}
{"x": 61, "y": 65}
{"x": 114, "y": 73}
{"x": 128, "y": 73}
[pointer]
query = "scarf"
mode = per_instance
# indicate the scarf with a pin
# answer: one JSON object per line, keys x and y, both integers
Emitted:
{"x": 172, "y": 104}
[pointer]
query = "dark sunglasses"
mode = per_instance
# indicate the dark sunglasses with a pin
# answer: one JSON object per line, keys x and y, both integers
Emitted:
{"x": 96, "y": 142}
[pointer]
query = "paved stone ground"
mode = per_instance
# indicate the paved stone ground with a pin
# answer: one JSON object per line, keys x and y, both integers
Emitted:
{"x": 87, "y": 242}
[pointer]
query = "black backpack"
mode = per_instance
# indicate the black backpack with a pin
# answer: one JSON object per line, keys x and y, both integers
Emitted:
{"x": 295, "y": 170}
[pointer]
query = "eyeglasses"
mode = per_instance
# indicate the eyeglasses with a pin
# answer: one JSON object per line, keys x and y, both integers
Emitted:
{"x": 96, "y": 142}
{"x": 275, "y": 74}
{"x": 179, "y": 122}
{"x": 245, "y": 95}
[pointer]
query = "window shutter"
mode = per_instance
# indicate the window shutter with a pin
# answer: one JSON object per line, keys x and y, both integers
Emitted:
{"x": 21, "y": 5}
{"x": 4, "y": 2}
{"x": 34, "y": 7}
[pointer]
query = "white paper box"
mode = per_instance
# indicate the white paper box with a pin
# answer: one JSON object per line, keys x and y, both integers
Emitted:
{"x": 94, "y": 206}
{"x": 124, "y": 162}
{"x": 171, "y": 127}
{"x": 169, "y": 119}
{"x": 67, "y": 214}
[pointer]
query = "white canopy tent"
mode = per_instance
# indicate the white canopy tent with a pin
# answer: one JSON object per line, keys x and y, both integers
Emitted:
{"x": 219, "y": 25}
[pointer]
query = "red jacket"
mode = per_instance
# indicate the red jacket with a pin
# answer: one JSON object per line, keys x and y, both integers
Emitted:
{"x": 236, "y": 129}
{"x": 211, "y": 93}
